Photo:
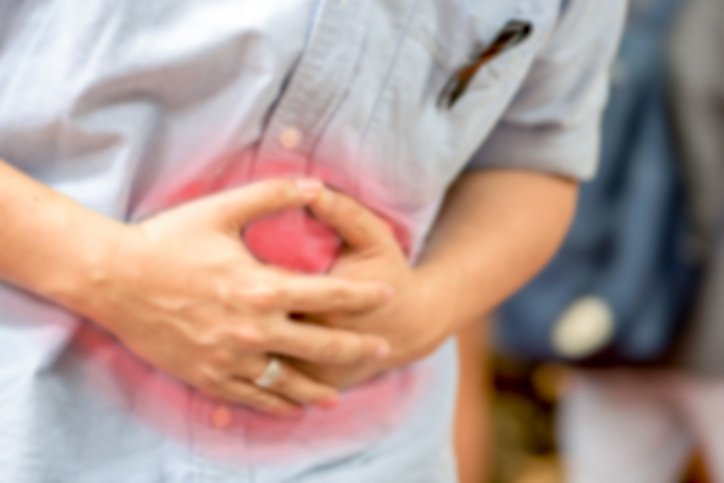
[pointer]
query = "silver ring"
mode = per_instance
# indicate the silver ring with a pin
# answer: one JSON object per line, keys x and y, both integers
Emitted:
{"x": 270, "y": 375}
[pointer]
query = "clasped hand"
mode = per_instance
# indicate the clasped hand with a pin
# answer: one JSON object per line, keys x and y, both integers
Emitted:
{"x": 182, "y": 292}
{"x": 416, "y": 320}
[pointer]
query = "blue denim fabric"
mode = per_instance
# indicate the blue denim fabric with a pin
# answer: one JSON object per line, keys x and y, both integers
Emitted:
{"x": 627, "y": 245}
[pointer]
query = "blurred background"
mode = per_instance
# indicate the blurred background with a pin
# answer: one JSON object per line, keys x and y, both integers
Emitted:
{"x": 608, "y": 366}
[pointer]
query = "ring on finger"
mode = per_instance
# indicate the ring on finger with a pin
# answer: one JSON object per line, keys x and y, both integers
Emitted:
{"x": 271, "y": 374}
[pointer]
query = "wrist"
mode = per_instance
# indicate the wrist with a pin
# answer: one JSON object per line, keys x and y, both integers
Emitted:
{"x": 438, "y": 294}
{"x": 76, "y": 278}
{"x": 52, "y": 244}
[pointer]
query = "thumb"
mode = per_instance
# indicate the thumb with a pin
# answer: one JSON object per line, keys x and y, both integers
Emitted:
{"x": 238, "y": 207}
{"x": 359, "y": 227}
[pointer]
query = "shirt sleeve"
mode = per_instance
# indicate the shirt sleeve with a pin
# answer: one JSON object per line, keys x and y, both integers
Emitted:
{"x": 553, "y": 123}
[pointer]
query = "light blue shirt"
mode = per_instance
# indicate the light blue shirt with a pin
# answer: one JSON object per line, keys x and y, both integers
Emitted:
{"x": 130, "y": 107}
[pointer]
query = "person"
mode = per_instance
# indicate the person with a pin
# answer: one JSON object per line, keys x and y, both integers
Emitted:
{"x": 646, "y": 246}
{"x": 672, "y": 410}
{"x": 615, "y": 291}
{"x": 238, "y": 235}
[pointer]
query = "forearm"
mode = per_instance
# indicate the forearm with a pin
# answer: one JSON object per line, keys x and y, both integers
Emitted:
{"x": 497, "y": 229}
{"x": 181, "y": 292}
{"x": 49, "y": 244}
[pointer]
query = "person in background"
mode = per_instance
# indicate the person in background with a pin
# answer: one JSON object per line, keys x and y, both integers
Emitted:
{"x": 643, "y": 425}
{"x": 638, "y": 284}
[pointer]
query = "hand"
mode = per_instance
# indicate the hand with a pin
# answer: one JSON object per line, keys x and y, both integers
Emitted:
{"x": 182, "y": 292}
{"x": 415, "y": 321}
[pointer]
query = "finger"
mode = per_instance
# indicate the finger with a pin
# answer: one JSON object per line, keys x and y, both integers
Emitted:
{"x": 246, "y": 394}
{"x": 238, "y": 207}
{"x": 314, "y": 294}
{"x": 323, "y": 345}
{"x": 327, "y": 294}
{"x": 356, "y": 224}
{"x": 292, "y": 384}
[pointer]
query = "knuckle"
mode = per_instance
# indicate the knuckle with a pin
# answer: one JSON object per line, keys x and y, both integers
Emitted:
{"x": 376, "y": 294}
{"x": 330, "y": 350}
{"x": 273, "y": 336}
{"x": 282, "y": 293}
{"x": 262, "y": 297}
{"x": 281, "y": 189}
{"x": 221, "y": 358}
{"x": 250, "y": 338}
{"x": 208, "y": 341}
{"x": 339, "y": 294}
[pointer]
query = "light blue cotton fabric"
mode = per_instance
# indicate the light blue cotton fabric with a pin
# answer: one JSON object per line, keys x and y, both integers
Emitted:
{"x": 118, "y": 103}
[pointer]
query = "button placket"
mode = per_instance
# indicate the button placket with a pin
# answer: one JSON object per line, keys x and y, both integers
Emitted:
{"x": 312, "y": 95}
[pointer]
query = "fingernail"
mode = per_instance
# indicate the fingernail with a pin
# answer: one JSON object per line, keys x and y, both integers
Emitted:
{"x": 309, "y": 187}
{"x": 329, "y": 403}
{"x": 383, "y": 350}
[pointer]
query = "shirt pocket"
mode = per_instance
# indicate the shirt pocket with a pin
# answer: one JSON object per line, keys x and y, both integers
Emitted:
{"x": 441, "y": 37}
{"x": 415, "y": 136}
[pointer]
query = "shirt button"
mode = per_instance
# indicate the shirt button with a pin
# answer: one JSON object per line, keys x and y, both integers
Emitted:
{"x": 290, "y": 138}
{"x": 221, "y": 417}
{"x": 585, "y": 327}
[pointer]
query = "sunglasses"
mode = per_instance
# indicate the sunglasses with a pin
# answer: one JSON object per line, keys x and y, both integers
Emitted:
{"x": 513, "y": 33}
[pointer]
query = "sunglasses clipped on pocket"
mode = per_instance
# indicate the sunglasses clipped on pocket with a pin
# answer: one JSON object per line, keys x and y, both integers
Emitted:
{"x": 513, "y": 33}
